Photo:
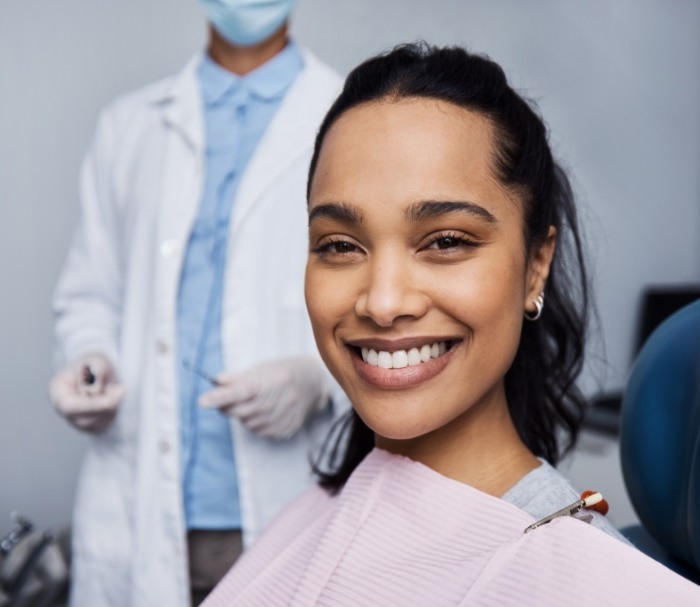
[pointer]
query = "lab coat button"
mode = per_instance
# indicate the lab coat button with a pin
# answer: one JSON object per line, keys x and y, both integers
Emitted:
{"x": 168, "y": 248}
{"x": 164, "y": 446}
{"x": 161, "y": 347}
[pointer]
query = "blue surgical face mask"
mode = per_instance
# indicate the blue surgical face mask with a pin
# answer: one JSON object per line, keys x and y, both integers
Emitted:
{"x": 247, "y": 22}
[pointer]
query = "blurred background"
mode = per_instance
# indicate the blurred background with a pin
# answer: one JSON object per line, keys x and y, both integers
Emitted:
{"x": 617, "y": 81}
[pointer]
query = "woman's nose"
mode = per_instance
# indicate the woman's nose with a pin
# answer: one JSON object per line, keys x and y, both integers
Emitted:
{"x": 388, "y": 293}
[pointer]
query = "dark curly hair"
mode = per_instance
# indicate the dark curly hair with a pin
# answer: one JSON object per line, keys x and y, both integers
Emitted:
{"x": 544, "y": 401}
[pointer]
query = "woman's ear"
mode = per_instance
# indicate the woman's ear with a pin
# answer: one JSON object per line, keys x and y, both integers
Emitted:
{"x": 538, "y": 269}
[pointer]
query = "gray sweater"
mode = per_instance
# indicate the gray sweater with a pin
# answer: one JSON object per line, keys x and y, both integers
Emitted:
{"x": 544, "y": 491}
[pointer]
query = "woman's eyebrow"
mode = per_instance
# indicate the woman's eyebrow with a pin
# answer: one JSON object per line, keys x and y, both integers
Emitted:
{"x": 435, "y": 208}
{"x": 339, "y": 211}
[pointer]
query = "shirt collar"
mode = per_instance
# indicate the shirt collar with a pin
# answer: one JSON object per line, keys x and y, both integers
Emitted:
{"x": 267, "y": 82}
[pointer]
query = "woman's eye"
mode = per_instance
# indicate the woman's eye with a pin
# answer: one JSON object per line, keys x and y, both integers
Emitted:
{"x": 335, "y": 247}
{"x": 449, "y": 241}
{"x": 342, "y": 247}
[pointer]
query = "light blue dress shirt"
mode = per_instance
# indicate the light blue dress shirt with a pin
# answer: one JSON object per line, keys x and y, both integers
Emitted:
{"x": 237, "y": 111}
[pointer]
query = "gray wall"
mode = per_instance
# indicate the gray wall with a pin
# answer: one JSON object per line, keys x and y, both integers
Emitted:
{"x": 617, "y": 81}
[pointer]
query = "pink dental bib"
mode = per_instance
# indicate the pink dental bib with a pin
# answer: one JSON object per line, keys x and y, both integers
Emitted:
{"x": 401, "y": 534}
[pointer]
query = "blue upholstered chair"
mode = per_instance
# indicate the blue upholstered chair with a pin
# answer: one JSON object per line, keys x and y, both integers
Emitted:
{"x": 660, "y": 443}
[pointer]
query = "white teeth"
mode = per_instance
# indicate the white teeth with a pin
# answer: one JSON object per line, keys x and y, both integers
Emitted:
{"x": 399, "y": 359}
{"x": 413, "y": 357}
{"x": 372, "y": 358}
{"x": 384, "y": 360}
{"x": 402, "y": 358}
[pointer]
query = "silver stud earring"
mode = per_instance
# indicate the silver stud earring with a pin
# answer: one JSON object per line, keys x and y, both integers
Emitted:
{"x": 539, "y": 306}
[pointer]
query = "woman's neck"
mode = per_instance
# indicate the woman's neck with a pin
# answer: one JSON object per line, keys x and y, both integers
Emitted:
{"x": 482, "y": 450}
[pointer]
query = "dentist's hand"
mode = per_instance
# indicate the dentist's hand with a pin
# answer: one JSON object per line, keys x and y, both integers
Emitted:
{"x": 273, "y": 399}
{"x": 86, "y": 392}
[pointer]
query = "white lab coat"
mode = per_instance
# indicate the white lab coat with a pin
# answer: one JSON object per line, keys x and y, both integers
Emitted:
{"x": 140, "y": 189}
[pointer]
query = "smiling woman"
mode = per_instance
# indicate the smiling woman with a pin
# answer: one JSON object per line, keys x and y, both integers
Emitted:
{"x": 433, "y": 266}
{"x": 438, "y": 222}
{"x": 433, "y": 182}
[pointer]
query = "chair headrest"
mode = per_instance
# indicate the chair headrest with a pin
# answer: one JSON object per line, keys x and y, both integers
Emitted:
{"x": 660, "y": 435}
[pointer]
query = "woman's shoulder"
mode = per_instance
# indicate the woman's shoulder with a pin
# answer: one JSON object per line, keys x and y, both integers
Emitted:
{"x": 545, "y": 490}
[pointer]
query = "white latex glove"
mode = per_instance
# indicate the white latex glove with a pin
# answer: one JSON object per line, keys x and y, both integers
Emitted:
{"x": 86, "y": 392}
{"x": 273, "y": 399}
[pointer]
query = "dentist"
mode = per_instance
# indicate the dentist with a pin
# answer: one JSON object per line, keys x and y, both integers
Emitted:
{"x": 180, "y": 321}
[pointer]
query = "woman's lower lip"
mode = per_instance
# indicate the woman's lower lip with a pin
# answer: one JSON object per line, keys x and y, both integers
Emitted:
{"x": 397, "y": 379}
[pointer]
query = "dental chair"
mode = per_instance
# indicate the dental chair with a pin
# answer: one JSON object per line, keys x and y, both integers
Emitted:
{"x": 660, "y": 443}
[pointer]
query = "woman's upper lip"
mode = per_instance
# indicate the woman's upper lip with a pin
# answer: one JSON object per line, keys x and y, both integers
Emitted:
{"x": 403, "y": 343}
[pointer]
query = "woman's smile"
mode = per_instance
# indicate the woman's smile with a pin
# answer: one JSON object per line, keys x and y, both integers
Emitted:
{"x": 401, "y": 364}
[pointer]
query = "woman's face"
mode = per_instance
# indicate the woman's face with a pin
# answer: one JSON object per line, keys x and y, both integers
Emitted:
{"x": 417, "y": 280}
